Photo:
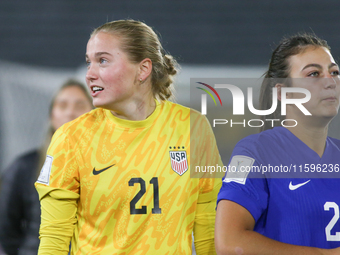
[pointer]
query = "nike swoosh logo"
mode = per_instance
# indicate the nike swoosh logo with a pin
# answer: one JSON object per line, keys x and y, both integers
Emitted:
{"x": 294, "y": 187}
{"x": 101, "y": 170}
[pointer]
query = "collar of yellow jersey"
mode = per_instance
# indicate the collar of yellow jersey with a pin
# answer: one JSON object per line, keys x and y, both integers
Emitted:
{"x": 139, "y": 123}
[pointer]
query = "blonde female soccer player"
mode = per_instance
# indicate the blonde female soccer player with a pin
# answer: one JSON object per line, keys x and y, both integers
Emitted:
{"x": 117, "y": 180}
{"x": 269, "y": 215}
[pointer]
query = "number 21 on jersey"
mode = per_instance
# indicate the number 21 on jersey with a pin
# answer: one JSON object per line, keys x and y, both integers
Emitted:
{"x": 143, "y": 209}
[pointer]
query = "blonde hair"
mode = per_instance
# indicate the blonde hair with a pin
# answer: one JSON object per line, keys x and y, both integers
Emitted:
{"x": 139, "y": 41}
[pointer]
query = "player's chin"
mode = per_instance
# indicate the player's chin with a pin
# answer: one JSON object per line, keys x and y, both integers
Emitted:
{"x": 330, "y": 112}
{"x": 98, "y": 103}
{"x": 103, "y": 105}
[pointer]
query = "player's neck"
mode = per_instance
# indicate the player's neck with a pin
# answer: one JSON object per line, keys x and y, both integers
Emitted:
{"x": 313, "y": 137}
{"x": 135, "y": 109}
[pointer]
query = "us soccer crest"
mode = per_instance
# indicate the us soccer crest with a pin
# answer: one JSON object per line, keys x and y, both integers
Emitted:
{"x": 179, "y": 161}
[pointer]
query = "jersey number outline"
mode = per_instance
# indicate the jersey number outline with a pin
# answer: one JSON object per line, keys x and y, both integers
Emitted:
{"x": 329, "y": 236}
{"x": 155, "y": 209}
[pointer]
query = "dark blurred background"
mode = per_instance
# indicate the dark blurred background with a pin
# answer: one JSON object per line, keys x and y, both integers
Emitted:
{"x": 55, "y": 33}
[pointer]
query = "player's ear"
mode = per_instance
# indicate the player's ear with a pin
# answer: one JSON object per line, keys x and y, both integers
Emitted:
{"x": 145, "y": 69}
{"x": 279, "y": 86}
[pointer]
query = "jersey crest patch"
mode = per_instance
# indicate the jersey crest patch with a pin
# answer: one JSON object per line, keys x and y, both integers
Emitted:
{"x": 45, "y": 172}
{"x": 179, "y": 161}
{"x": 238, "y": 169}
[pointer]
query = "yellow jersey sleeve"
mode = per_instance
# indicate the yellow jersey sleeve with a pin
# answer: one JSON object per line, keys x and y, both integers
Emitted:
{"x": 205, "y": 154}
{"x": 62, "y": 165}
{"x": 58, "y": 211}
{"x": 205, "y": 222}
{"x": 58, "y": 189}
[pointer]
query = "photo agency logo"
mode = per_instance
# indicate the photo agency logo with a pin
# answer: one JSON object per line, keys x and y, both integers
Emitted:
{"x": 204, "y": 97}
{"x": 235, "y": 88}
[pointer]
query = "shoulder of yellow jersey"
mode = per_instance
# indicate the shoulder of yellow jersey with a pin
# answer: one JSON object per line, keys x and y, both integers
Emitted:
{"x": 91, "y": 116}
{"x": 193, "y": 113}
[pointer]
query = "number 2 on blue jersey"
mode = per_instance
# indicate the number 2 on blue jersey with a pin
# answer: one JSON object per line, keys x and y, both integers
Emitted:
{"x": 333, "y": 221}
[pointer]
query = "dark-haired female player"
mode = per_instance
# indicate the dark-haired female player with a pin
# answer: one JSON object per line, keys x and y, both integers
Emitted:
{"x": 287, "y": 215}
{"x": 116, "y": 180}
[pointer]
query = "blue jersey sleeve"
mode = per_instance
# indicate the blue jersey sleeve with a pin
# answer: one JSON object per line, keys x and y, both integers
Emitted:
{"x": 249, "y": 190}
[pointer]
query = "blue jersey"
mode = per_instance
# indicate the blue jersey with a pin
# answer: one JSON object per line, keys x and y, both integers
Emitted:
{"x": 300, "y": 211}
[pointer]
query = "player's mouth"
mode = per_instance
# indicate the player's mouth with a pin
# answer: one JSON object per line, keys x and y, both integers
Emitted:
{"x": 330, "y": 99}
{"x": 95, "y": 90}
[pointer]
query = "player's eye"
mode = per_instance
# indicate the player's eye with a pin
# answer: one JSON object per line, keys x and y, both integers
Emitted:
{"x": 102, "y": 61}
{"x": 313, "y": 74}
{"x": 335, "y": 73}
{"x": 87, "y": 63}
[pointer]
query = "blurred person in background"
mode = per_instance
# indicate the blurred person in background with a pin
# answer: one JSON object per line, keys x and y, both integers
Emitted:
{"x": 19, "y": 201}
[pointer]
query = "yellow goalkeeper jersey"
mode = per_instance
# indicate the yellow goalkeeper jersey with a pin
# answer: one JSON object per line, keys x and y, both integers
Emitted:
{"x": 130, "y": 182}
